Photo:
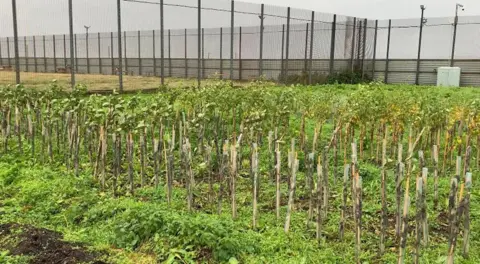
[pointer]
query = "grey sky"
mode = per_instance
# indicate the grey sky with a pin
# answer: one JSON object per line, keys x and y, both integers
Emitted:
{"x": 48, "y": 17}
{"x": 383, "y": 9}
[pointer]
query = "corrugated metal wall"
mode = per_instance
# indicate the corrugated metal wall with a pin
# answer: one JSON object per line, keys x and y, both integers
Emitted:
{"x": 404, "y": 71}
{"x": 400, "y": 71}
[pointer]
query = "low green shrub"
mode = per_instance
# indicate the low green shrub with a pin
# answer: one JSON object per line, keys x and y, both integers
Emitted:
{"x": 345, "y": 77}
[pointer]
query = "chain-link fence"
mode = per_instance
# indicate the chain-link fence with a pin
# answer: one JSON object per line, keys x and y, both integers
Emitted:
{"x": 142, "y": 44}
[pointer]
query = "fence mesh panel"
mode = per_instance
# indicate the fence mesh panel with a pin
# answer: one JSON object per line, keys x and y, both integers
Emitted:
{"x": 288, "y": 47}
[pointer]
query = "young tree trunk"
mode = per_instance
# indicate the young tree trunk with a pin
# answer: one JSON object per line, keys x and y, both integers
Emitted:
{"x": 372, "y": 139}
{"x": 255, "y": 180}
{"x": 466, "y": 221}
{"x": 302, "y": 132}
{"x": 445, "y": 152}
{"x": 222, "y": 174}
{"x": 233, "y": 176}
{"x": 143, "y": 151}
{"x": 406, "y": 201}
{"x": 31, "y": 130}
{"x": 425, "y": 228}
{"x": 362, "y": 136}
{"x": 291, "y": 195}
{"x": 404, "y": 229}
{"x": 319, "y": 196}
{"x": 452, "y": 199}
{"x": 130, "y": 161}
{"x": 76, "y": 158}
{"x": 326, "y": 190}
{"x": 116, "y": 160}
{"x": 208, "y": 162}
{"x": 399, "y": 177}
{"x": 187, "y": 154}
{"x": 466, "y": 203}
{"x": 418, "y": 218}
{"x": 346, "y": 173}
{"x": 278, "y": 168}
{"x": 155, "y": 156}
{"x": 384, "y": 195}
{"x": 309, "y": 163}
{"x": 335, "y": 158}
{"x": 435, "y": 177}
{"x": 17, "y": 129}
{"x": 455, "y": 227}
{"x": 357, "y": 181}
{"x": 168, "y": 167}
{"x": 271, "y": 154}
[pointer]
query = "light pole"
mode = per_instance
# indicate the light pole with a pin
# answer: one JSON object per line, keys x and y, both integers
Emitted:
{"x": 86, "y": 38}
{"x": 455, "y": 24}
{"x": 422, "y": 22}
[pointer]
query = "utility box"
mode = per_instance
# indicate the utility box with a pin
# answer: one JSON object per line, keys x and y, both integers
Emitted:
{"x": 448, "y": 76}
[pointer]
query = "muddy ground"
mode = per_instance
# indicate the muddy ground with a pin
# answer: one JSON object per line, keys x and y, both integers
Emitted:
{"x": 43, "y": 246}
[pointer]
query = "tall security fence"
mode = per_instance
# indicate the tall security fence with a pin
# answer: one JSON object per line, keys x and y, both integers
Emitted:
{"x": 141, "y": 44}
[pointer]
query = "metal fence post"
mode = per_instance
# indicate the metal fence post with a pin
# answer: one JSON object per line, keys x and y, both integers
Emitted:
{"x": 203, "y": 53}
{"x": 312, "y": 31}
{"x": 359, "y": 40}
{"x": 332, "y": 45}
{"x": 72, "y": 54}
{"x": 232, "y": 32}
{"x": 64, "y": 51}
{"x": 111, "y": 53}
{"x": 8, "y": 53}
{"x": 162, "y": 44}
{"x": 99, "y": 54}
{"x": 455, "y": 25}
{"x": 87, "y": 50}
{"x": 240, "y": 66}
{"x": 1, "y": 57}
{"x": 282, "y": 73}
{"x": 417, "y": 75}
{"x": 169, "y": 53}
{"x": 306, "y": 50}
{"x": 221, "y": 53}
{"x": 199, "y": 40}
{"x": 260, "y": 63}
{"x": 186, "y": 58}
{"x": 44, "y": 55}
{"x": 125, "y": 50}
{"x": 287, "y": 44}
{"x": 154, "y": 55}
{"x": 54, "y": 54}
{"x": 34, "y": 52}
{"x": 353, "y": 42}
{"x": 374, "y": 49}
{"x": 364, "y": 46}
{"x": 15, "y": 37}
{"x": 25, "y": 52}
{"x": 76, "y": 54}
{"x": 387, "y": 58}
{"x": 139, "y": 54}
{"x": 119, "y": 24}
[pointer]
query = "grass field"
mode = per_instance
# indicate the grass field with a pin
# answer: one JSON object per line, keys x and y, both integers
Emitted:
{"x": 166, "y": 189}
{"x": 96, "y": 82}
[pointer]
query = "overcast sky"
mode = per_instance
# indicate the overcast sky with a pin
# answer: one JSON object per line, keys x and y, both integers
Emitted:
{"x": 51, "y": 16}
{"x": 383, "y": 9}
{"x": 48, "y": 17}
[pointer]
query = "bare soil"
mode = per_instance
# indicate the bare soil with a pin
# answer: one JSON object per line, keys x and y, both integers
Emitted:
{"x": 43, "y": 245}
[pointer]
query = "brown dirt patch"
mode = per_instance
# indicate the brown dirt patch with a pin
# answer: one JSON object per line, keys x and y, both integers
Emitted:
{"x": 43, "y": 245}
